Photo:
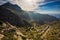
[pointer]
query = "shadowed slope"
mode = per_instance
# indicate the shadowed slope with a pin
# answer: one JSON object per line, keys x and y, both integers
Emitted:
{"x": 8, "y": 16}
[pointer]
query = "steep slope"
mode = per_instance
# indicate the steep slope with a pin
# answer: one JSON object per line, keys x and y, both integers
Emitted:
{"x": 16, "y": 10}
{"x": 29, "y": 16}
{"x": 7, "y": 16}
{"x": 8, "y": 5}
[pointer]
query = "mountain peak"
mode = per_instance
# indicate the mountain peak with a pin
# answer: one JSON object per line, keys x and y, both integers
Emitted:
{"x": 12, "y": 6}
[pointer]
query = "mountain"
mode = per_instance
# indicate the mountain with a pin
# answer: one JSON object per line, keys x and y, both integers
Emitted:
{"x": 56, "y": 15}
{"x": 42, "y": 18}
{"x": 16, "y": 10}
{"x": 15, "y": 15}
{"x": 10, "y": 17}
{"x": 10, "y": 6}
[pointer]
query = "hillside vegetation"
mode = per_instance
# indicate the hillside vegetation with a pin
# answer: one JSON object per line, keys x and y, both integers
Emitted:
{"x": 49, "y": 31}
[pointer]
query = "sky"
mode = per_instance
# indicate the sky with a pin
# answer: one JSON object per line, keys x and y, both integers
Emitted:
{"x": 40, "y": 6}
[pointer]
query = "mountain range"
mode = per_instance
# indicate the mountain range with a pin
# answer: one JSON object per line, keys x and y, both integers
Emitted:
{"x": 16, "y": 16}
{"x": 55, "y": 15}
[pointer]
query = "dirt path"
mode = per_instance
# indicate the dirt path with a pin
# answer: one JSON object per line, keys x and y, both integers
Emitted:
{"x": 19, "y": 38}
{"x": 1, "y": 36}
{"x": 46, "y": 31}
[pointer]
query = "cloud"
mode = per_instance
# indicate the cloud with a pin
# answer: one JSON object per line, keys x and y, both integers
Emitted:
{"x": 5, "y": 1}
{"x": 2, "y": 2}
{"x": 51, "y": 7}
{"x": 47, "y": 12}
{"x": 31, "y": 5}
{"x": 27, "y": 5}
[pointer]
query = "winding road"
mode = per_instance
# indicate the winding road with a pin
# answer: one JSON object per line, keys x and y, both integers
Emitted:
{"x": 44, "y": 33}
